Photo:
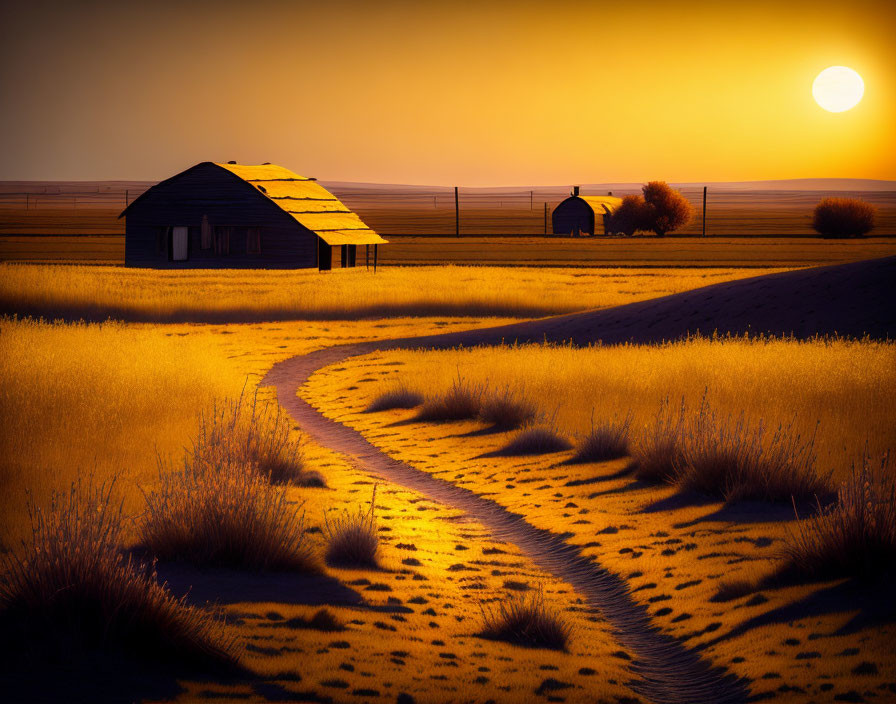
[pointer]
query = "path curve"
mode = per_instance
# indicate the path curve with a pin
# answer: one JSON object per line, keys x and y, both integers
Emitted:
{"x": 667, "y": 672}
{"x": 854, "y": 299}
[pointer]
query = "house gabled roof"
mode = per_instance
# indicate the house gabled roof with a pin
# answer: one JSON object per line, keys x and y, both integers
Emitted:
{"x": 304, "y": 200}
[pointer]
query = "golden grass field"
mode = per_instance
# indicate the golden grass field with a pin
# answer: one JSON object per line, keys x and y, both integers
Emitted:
{"x": 111, "y": 399}
{"x": 843, "y": 387}
{"x": 98, "y": 293}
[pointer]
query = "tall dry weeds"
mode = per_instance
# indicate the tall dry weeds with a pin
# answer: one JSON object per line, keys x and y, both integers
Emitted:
{"x": 607, "y": 440}
{"x": 71, "y": 589}
{"x": 246, "y": 431}
{"x": 219, "y": 512}
{"x": 855, "y": 536}
{"x": 352, "y": 538}
{"x": 462, "y": 401}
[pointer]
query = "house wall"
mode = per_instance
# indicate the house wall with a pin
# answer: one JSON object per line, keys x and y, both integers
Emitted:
{"x": 227, "y": 202}
{"x": 572, "y": 215}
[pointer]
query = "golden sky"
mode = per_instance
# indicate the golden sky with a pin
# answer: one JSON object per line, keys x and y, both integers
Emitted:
{"x": 469, "y": 93}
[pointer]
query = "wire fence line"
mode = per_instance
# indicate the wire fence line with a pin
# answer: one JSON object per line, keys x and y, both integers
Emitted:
{"x": 430, "y": 211}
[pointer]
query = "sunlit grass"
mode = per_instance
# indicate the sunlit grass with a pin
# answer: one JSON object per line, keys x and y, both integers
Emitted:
{"x": 250, "y": 295}
{"x": 840, "y": 388}
{"x": 352, "y": 539}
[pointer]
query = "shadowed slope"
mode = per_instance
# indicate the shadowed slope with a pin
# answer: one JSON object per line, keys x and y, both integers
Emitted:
{"x": 854, "y": 300}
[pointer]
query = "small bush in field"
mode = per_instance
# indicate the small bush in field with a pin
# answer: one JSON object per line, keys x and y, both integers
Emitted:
{"x": 352, "y": 539}
{"x": 257, "y": 434}
{"x": 526, "y": 620}
{"x": 507, "y": 411}
{"x": 853, "y": 537}
{"x": 72, "y": 589}
{"x": 535, "y": 441}
{"x": 606, "y": 441}
{"x": 223, "y": 513}
{"x": 399, "y": 397}
{"x": 462, "y": 401}
{"x": 656, "y": 453}
{"x": 843, "y": 217}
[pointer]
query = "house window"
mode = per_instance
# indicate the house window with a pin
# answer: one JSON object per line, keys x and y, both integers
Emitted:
{"x": 253, "y": 240}
{"x": 205, "y": 235}
{"x": 222, "y": 240}
{"x": 180, "y": 243}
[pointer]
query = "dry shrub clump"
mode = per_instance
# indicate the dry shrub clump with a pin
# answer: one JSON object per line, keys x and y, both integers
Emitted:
{"x": 729, "y": 459}
{"x": 72, "y": 589}
{"x": 606, "y": 441}
{"x": 736, "y": 462}
{"x": 352, "y": 539}
{"x": 526, "y": 620}
{"x": 843, "y": 217}
{"x": 507, "y": 410}
{"x": 462, "y": 401}
{"x": 657, "y": 453}
{"x": 539, "y": 440}
{"x": 257, "y": 434}
{"x": 218, "y": 512}
{"x": 399, "y": 397}
{"x": 855, "y": 536}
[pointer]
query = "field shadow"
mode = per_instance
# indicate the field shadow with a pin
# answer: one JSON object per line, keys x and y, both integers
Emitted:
{"x": 749, "y": 512}
{"x": 623, "y": 473}
{"x": 92, "y": 678}
{"x": 871, "y": 604}
{"x": 231, "y": 587}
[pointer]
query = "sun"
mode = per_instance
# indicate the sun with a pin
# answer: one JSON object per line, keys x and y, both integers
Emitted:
{"x": 838, "y": 89}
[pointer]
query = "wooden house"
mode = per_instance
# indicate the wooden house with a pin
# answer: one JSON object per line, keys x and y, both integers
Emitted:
{"x": 583, "y": 215}
{"x": 239, "y": 216}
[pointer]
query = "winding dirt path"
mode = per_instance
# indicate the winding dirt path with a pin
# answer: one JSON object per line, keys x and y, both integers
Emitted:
{"x": 666, "y": 671}
{"x": 854, "y": 299}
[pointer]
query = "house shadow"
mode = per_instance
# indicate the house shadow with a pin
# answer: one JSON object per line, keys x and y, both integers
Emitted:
{"x": 870, "y": 603}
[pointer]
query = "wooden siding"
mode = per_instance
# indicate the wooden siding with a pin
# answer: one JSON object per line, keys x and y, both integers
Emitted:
{"x": 227, "y": 202}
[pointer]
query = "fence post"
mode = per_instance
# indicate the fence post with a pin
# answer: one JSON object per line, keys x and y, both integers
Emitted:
{"x": 704, "y": 211}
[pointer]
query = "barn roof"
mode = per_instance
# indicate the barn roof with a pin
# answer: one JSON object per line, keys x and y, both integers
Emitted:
{"x": 598, "y": 203}
{"x": 304, "y": 200}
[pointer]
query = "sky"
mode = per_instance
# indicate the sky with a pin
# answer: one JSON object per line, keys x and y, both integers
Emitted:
{"x": 445, "y": 93}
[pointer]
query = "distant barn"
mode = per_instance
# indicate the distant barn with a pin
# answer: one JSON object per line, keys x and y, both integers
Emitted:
{"x": 238, "y": 216}
{"x": 583, "y": 214}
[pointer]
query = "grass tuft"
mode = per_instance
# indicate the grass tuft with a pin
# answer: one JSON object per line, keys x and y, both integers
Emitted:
{"x": 656, "y": 454}
{"x": 507, "y": 411}
{"x": 526, "y": 620}
{"x": 462, "y": 401}
{"x": 72, "y": 590}
{"x": 222, "y": 513}
{"x": 399, "y": 397}
{"x": 539, "y": 440}
{"x": 258, "y": 434}
{"x": 728, "y": 459}
{"x": 606, "y": 441}
{"x": 855, "y": 536}
{"x": 352, "y": 539}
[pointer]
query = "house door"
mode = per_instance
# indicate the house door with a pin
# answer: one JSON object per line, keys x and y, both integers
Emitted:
{"x": 180, "y": 237}
{"x": 324, "y": 255}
